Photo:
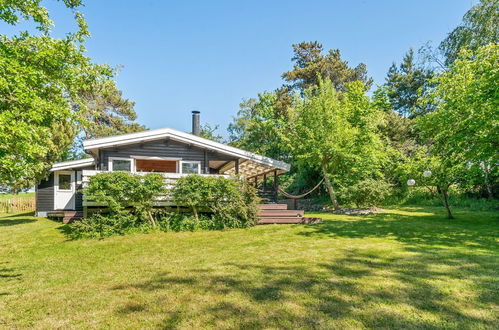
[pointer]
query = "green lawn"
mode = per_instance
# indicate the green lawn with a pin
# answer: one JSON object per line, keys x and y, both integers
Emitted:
{"x": 408, "y": 268}
{"x": 20, "y": 195}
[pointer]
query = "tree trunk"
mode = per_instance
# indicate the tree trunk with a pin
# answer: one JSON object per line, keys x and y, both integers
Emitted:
{"x": 488, "y": 186}
{"x": 445, "y": 201}
{"x": 330, "y": 189}
{"x": 195, "y": 213}
{"x": 153, "y": 223}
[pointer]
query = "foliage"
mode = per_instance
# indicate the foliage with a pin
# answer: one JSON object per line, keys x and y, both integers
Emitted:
{"x": 478, "y": 29}
{"x": 210, "y": 132}
{"x": 368, "y": 192}
{"x": 466, "y": 120}
{"x": 129, "y": 199}
{"x": 337, "y": 133}
{"x": 463, "y": 130}
{"x": 311, "y": 65}
{"x": 258, "y": 126}
{"x": 232, "y": 203}
{"x": 49, "y": 91}
{"x": 13, "y": 11}
{"x": 38, "y": 76}
{"x": 406, "y": 84}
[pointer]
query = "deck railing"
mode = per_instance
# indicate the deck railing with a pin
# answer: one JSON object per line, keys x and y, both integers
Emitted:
{"x": 169, "y": 179}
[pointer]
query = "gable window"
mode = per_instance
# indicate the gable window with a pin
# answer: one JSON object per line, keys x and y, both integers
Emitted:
{"x": 190, "y": 167}
{"x": 120, "y": 164}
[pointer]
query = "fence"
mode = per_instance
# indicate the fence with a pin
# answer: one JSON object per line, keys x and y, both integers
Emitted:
{"x": 17, "y": 204}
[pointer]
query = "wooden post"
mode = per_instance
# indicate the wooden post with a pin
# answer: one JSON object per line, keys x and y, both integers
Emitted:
{"x": 256, "y": 181}
{"x": 236, "y": 165}
{"x": 206, "y": 163}
{"x": 264, "y": 181}
{"x": 276, "y": 186}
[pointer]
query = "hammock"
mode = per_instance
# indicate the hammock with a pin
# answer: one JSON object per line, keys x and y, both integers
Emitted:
{"x": 299, "y": 196}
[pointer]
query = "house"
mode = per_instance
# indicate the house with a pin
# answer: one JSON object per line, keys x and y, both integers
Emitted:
{"x": 170, "y": 152}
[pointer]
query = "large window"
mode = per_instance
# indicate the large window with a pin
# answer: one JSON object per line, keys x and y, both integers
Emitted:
{"x": 191, "y": 167}
{"x": 120, "y": 164}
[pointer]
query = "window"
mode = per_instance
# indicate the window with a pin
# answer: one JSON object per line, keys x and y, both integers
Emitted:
{"x": 120, "y": 164}
{"x": 64, "y": 182}
{"x": 191, "y": 168}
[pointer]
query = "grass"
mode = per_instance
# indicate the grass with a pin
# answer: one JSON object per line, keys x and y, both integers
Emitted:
{"x": 20, "y": 195}
{"x": 407, "y": 268}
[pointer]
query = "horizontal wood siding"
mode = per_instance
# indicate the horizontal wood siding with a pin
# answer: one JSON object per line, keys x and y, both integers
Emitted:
{"x": 45, "y": 195}
{"x": 161, "y": 148}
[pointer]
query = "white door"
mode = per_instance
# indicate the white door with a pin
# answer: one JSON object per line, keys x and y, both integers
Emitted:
{"x": 65, "y": 190}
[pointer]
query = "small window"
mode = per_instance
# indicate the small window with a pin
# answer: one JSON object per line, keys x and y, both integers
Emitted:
{"x": 64, "y": 182}
{"x": 191, "y": 168}
{"x": 121, "y": 165}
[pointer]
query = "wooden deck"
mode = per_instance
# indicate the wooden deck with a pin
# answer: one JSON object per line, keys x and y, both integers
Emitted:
{"x": 279, "y": 214}
{"x": 269, "y": 214}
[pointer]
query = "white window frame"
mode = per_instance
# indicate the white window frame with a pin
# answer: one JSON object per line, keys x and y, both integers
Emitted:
{"x": 110, "y": 163}
{"x": 189, "y": 162}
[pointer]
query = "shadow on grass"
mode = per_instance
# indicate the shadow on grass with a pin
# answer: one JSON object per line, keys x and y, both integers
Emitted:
{"x": 478, "y": 230}
{"x": 8, "y": 272}
{"x": 16, "y": 219}
{"x": 364, "y": 289}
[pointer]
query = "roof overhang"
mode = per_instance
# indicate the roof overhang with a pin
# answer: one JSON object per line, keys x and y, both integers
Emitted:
{"x": 73, "y": 164}
{"x": 94, "y": 145}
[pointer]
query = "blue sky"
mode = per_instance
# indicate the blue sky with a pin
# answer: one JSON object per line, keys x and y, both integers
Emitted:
{"x": 179, "y": 56}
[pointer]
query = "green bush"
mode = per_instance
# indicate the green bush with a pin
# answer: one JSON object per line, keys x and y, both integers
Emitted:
{"x": 129, "y": 200}
{"x": 367, "y": 192}
{"x": 230, "y": 203}
{"x": 213, "y": 203}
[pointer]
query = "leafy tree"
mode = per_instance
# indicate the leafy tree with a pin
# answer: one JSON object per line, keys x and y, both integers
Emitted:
{"x": 210, "y": 132}
{"x": 405, "y": 86}
{"x": 464, "y": 125}
{"x": 48, "y": 92}
{"x": 39, "y": 79}
{"x": 479, "y": 28}
{"x": 436, "y": 172}
{"x": 258, "y": 126}
{"x": 336, "y": 132}
{"x": 106, "y": 112}
{"x": 311, "y": 64}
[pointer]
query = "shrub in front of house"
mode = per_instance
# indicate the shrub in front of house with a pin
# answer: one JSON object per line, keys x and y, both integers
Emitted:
{"x": 216, "y": 202}
{"x": 203, "y": 202}
{"x": 128, "y": 199}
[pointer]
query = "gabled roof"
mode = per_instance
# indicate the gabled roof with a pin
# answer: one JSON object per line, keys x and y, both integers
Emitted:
{"x": 73, "y": 164}
{"x": 168, "y": 133}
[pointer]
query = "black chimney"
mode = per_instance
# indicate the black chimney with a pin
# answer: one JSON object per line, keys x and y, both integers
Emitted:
{"x": 196, "y": 129}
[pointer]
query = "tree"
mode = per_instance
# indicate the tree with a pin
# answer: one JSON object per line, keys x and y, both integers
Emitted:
{"x": 105, "y": 113}
{"x": 405, "y": 86}
{"x": 210, "y": 132}
{"x": 436, "y": 172}
{"x": 48, "y": 90}
{"x": 336, "y": 132}
{"x": 40, "y": 78}
{"x": 464, "y": 125}
{"x": 258, "y": 126}
{"x": 311, "y": 64}
{"x": 479, "y": 28}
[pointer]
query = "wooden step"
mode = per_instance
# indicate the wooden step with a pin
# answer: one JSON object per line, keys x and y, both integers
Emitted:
{"x": 70, "y": 216}
{"x": 281, "y": 213}
{"x": 292, "y": 220}
{"x": 273, "y": 206}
